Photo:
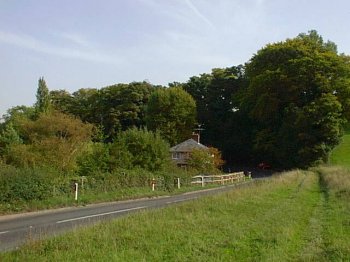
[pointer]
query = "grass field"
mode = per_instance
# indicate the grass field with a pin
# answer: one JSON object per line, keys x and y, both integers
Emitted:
{"x": 341, "y": 154}
{"x": 297, "y": 216}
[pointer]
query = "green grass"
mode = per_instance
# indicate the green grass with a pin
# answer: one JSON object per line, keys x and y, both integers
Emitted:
{"x": 90, "y": 197}
{"x": 298, "y": 216}
{"x": 341, "y": 154}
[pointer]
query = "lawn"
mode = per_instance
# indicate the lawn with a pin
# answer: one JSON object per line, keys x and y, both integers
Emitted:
{"x": 297, "y": 216}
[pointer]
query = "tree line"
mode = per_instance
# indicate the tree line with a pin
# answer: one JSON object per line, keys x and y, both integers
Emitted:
{"x": 288, "y": 106}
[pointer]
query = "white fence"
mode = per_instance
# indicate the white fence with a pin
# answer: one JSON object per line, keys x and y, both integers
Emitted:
{"x": 219, "y": 179}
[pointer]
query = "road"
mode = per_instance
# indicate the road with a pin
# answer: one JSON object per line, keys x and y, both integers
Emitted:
{"x": 15, "y": 230}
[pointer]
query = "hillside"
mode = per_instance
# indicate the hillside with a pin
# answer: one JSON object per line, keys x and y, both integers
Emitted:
{"x": 341, "y": 154}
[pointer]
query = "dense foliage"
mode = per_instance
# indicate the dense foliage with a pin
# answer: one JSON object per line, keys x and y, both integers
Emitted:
{"x": 287, "y": 106}
{"x": 172, "y": 112}
{"x": 114, "y": 108}
{"x": 43, "y": 103}
{"x": 224, "y": 126}
{"x": 298, "y": 98}
{"x": 53, "y": 139}
{"x": 206, "y": 161}
{"x": 20, "y": 184}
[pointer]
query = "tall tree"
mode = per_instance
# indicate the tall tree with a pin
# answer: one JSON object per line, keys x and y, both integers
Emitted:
{"x": 42, "y": 104}
{"x": 216, "y": 109}
{"x": 298, "y": 97}
{"x": 113, "y": 108}
{"x": 172, "y": 112}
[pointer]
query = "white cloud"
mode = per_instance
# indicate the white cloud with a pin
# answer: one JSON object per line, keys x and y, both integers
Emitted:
{"x": 74, "y": 38}
{"x": 199, "y": 14}
{"x": 29, "y": 42}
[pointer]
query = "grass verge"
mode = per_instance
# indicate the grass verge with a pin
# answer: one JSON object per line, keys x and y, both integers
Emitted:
{"x": 341, "y": 154}
{"x": 92, "y": 197}
{"x": 298, "y": 216}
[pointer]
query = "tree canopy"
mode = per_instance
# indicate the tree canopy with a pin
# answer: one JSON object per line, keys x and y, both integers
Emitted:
{"x": 172, "y": 112}
{"x": 54, "y": 140}
{"x": 298, "y": 98}
{"x": 286, "y": 106}
{"x": 42, "y": 104}
{"x": 114, "y": 108}
{"x": 216, "y": 109}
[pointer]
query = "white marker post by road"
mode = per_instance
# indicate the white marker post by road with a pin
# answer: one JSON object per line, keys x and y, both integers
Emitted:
{"x": 153, "y": 184}
{"x": 76, "y": 191}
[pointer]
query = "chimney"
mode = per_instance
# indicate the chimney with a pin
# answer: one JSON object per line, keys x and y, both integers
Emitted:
{"x": 195, "y": 137}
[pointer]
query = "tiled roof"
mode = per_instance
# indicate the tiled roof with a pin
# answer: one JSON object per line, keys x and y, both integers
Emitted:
{"x": 187, "y": 146}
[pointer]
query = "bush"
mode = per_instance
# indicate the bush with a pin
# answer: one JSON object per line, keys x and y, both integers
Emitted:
{"x": 95, "y": 160}
{"x": 136, "y": 148}
{"x": 52, "y": 140}
{"x": 24, "y": 184}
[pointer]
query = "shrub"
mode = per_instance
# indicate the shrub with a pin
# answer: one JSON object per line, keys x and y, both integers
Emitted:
{"x": 24, "y": 184}
{"x": 139, "y": 148}
{"x": 52, "y": 140}
{"x": 94, "y": 160}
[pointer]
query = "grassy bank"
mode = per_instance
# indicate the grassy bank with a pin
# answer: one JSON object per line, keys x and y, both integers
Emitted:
{"x": 341, "y": 154}
{"x": 300, "y": 216}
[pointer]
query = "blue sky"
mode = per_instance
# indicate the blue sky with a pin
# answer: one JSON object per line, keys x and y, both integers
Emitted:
{"x": 84, "y": 43}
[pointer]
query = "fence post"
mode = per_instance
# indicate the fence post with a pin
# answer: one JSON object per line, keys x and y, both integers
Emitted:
{"x": 178, "y": 183}
{"x": 202, "y": 181}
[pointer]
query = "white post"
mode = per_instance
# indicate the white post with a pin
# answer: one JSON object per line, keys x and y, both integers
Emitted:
{"x": 82, "y": 182}
{"x": 76, "y": 191}
{"x": 153, "y": 184}
{"x": 178, "y": 183}
{"x": 202, "y": 181}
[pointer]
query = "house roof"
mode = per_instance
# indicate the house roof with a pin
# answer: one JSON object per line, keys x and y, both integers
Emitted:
{"x": 187, "y": 146}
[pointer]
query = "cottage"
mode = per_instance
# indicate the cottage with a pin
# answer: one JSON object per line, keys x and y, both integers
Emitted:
{"x": 181, "y": 152}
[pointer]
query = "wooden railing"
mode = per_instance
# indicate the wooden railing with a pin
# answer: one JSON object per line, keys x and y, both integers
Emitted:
{"x": 219, "y": 179}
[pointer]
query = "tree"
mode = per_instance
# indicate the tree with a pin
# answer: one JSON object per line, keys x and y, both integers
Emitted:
{"x": 140, "y": 148}
{"x": 218, "y": 112}
{"x": 172, "y": 112}
{"x": 62, "y": 101}
{"x": 123, "y": 106}
{"x": 42, "y": 104}
{"x": 298, "y": 98}
{"x": 206, "y": 161}
{"x": 113, "y": 108}
{"x": 54, "y": 140}
{"x": 8, "y": 137}
{"x": 19, "y": 112}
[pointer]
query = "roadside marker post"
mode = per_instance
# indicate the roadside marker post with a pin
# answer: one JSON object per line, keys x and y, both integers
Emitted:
{"x": 76, "y": 191}
{"x": 153, "y": 184}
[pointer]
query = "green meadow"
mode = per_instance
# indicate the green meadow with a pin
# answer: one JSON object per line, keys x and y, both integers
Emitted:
{"x": 294, "y": 216}
{"x": 341, "y": 154}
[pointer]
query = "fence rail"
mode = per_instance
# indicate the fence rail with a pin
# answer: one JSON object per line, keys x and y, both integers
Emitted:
{"x": 219, "y": 179}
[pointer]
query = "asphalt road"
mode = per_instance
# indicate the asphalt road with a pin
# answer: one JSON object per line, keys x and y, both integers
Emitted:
{"x": 15, "y": 230}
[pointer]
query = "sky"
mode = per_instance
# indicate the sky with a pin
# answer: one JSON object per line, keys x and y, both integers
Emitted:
{"x": 77, "y": 44}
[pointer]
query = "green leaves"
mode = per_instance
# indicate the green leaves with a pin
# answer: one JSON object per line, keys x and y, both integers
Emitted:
{"x": 294, "y": 99}
{"x": 172, "y": 112}
{"x": 139, "y": 148}
{"x": 42, "y": 104}
{"x": 54, "y": 139}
